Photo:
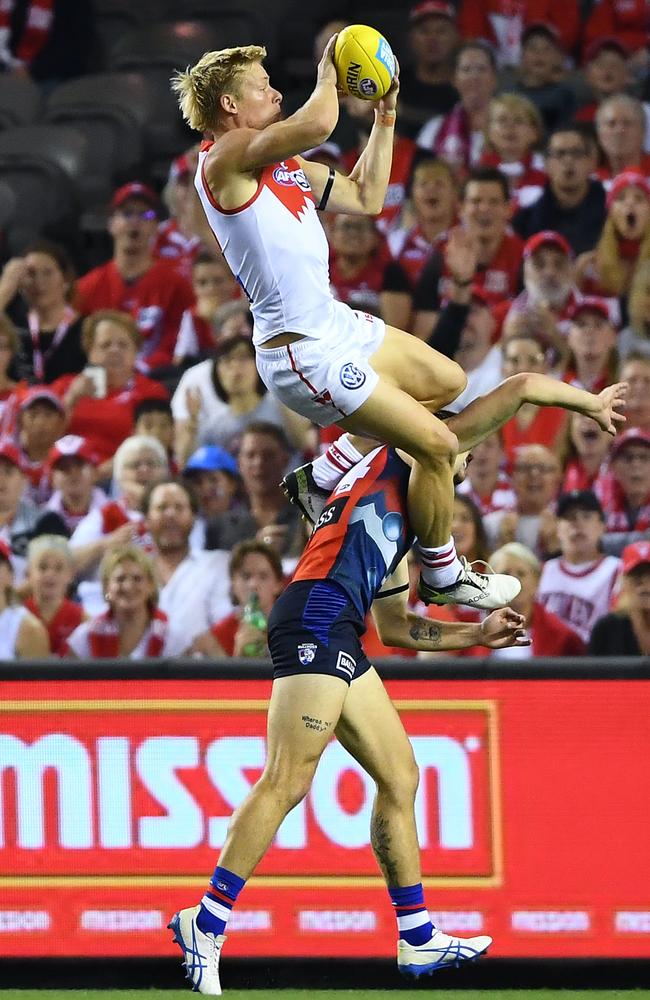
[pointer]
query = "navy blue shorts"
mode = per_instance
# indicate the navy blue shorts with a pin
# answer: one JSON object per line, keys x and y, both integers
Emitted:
{"x": 315, "y": 629}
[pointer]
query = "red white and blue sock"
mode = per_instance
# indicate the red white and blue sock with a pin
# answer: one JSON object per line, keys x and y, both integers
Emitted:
{"x": 413, "y": 920}
{"x": 218, "y": 901}
{"x": 330, "y": 467}
{"x": 440, "y": 566}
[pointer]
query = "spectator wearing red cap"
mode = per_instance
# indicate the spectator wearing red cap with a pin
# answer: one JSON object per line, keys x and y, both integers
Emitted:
{"x": 41, "y": 421}
{"x": 425, "y": 86}
{"x": 459, "y": 137}
{"x": 434, "y": 203}
{"x": 361, "y": 114}
{"x": 577, "y": 585}
{"x": 502, "y": 23}
{"x": 22, "y": 636}
{"x": 584, "y": 453}
{"x": 549, "y": 634}
{"x": 549, "y": 292}
{"x": 50, "y": 571}
{"x": 572, "y": 203}
{"x": 150, "y": 290}
{"x": 606, "y": 70}
{"x": 214, "y": 286}
{"x": 593, "y": 359}
{"x": 514, "y": 131}
{"x": 621, "y": 128}
{"x": 626, "y": 632}
{"x": 635, "y": 338}
{"x": 485, "y": 213}
{"x": 541, "y": 67}
{"x": 73, "y": 466}
{"x": 625, "y": 496}
{"x": 626, "y": 20}
{"x": 625, "y": 241}
{"x": 103, "y": 413}
{"x": 182, "y": 237}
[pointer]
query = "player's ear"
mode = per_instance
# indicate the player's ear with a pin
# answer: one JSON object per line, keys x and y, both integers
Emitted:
{"x": 228, "y": 104}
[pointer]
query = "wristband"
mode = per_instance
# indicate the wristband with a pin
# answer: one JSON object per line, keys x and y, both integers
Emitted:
{"x": 385, "y": 118}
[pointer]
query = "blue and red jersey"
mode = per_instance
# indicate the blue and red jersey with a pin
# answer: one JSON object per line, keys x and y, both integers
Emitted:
{"x": 364, "y": 531}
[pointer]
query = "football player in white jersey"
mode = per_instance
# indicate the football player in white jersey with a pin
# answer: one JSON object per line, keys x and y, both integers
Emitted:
{"x": 321, "y": 358}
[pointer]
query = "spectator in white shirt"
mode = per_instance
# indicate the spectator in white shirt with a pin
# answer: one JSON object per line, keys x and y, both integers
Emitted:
{"x": 577, "y": 586}
{"x": 194, "y": 586}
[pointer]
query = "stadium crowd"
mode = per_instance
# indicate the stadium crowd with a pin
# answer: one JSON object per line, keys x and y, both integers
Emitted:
{"x": 140, "y": 453}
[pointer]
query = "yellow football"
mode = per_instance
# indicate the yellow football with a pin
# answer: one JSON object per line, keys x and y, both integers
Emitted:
{"x": 365, "y": 64}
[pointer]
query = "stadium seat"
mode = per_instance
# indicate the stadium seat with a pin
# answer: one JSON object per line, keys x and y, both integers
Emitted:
{"x": 45, "y": 196}
{"x": 238, "y": 23}
{"x": 65, "y": 148}
{"x": 108, "y": 111}
{"x": 20, "y": 101}
{"x": 166, "y": 46}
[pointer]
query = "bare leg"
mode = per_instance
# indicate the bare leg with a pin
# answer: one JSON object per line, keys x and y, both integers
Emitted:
{"x": 303, "y": 714}
{"x": 371, "y": 730}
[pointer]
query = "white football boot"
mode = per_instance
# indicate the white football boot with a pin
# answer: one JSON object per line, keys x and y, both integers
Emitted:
{"x": 439, "y": 952}
{"x": 201, "y": 951}
{"x": 473, "y": 589}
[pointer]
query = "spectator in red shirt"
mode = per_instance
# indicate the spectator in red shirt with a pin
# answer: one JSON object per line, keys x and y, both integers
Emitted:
{"x": 625, "y": 241}
{"x": 514, "y": 130}
{"x": 485, "y": 212}
{"x": 585, "y": 453}
{"x": 73, "y": 467}
{"x": 459, "y": 137}
{"x": 627, "y": 20}
{"x": 549, "y": 635}
{"x": 425, "y": 86}
{"x": 49, "y": 574}
{"x": 486, "y": 482}
{"x": 621, "y": 125}
{"x": 254, "y": 568}
{"x": 41, "y": 421}
{"x": 357, "y": 262}
{"x": 606, "y": 70}
{"x": 135, "y": 282}
{"x": 531, "y": 424}
{"x": 625, "y": 495}
{"x": 182, "y": 237}
{"x": 111, "y": 340}
{"x": 213, "y": 285}
{"x": 593, "y": 361}
{"x": 502, "y": 22}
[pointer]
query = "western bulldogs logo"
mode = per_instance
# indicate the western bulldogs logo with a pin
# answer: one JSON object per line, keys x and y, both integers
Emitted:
{"x": 307, "y": 653}
{"x": 351, "y": 376}
{"x": 367, "y": 87}
{"x": 282, "y": 175}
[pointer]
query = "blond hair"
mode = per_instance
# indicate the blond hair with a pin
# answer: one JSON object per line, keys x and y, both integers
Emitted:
{"x": 516, "y": 104}
{"x": 516, "y": 551}
{"x": 613, "y": 274}
{"x": 636, "y": 306}
{"x": 199, "y": 88}
{"x": 91, "y": 322}
{"x": 129, "y": 553}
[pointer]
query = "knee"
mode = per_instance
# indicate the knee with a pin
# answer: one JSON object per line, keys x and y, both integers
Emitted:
{"x": 439, "y": 447}
{"x": 402, "y": 783}
{"x": 289, "y": 785}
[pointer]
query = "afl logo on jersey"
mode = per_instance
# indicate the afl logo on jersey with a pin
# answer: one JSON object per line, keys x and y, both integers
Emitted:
{"x": 351, "y": 376}
{"x": 282, "y": 175}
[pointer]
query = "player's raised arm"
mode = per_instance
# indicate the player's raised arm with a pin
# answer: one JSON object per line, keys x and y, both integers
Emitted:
{"x": 364, "y": 190}
{"x": 486, "y": 414}
{"x": 228, "y": 94}
{"x": 397, "y": 626}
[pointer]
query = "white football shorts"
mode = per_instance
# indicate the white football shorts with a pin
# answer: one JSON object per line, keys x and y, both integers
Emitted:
{"x": 327, "y": 377}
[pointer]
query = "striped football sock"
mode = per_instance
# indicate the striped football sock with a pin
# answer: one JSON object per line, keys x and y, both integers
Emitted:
{"x": 219, "y": 899}
{"x": 413, "y": 921}
{"x": 440, "y": 566}
{"x": 331, "y": 466}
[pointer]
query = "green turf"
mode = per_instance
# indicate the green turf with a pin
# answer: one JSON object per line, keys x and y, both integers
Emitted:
{"x": 405, "y": 994}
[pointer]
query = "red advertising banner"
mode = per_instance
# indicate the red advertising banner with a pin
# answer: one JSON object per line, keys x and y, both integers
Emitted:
{"x": 532, "y": 815}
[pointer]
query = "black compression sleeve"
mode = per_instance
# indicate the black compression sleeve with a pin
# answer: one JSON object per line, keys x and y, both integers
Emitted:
{"x": 328, "y": 187}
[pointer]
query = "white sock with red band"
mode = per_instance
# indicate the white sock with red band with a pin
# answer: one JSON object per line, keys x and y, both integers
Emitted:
{"x": 440, "y": 566}
{"x": 330, "y": 467}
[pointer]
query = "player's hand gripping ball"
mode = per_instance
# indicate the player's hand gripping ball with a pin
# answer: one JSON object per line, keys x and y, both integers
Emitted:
{"x": 365, "y": 64}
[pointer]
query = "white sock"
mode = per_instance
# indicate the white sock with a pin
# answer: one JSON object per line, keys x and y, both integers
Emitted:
{"x": 440, "y": 566}
{"x": 331, "y": 466}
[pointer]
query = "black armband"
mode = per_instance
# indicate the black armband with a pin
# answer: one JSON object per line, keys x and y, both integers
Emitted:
{"x": 328, "y": 187}
{"x": 392, "y": 591}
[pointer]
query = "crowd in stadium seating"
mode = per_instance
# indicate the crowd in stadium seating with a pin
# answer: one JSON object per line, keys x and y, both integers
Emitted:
{"x": 140, "y": 453}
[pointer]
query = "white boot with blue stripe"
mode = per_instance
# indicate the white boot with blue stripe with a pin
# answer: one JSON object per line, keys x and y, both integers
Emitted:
{"x": 201, "y": 951}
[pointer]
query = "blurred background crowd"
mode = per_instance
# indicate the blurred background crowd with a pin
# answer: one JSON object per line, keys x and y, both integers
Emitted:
{"x": 140, "y": 454}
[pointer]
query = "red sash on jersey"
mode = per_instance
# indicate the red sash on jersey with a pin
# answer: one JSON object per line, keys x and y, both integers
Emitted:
{"x": 613, "y": 500}
{"x": 38, "y": 24}
{"x": 454, "y": 139}
{"x": 104, "y": 636}
{"x": 66, "y": 619}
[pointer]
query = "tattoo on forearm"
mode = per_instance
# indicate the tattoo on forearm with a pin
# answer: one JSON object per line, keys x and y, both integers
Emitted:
{"x": 318, "y": 724}
{"x": 424, "y": 631}
{"x": 381, "y": 845}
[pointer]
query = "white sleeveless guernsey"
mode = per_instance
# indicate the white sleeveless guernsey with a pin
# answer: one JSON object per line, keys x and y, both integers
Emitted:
{"x": 578, "y": 596}
{"x": 277, "y": 250}
{"x": 10, "y": 622}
